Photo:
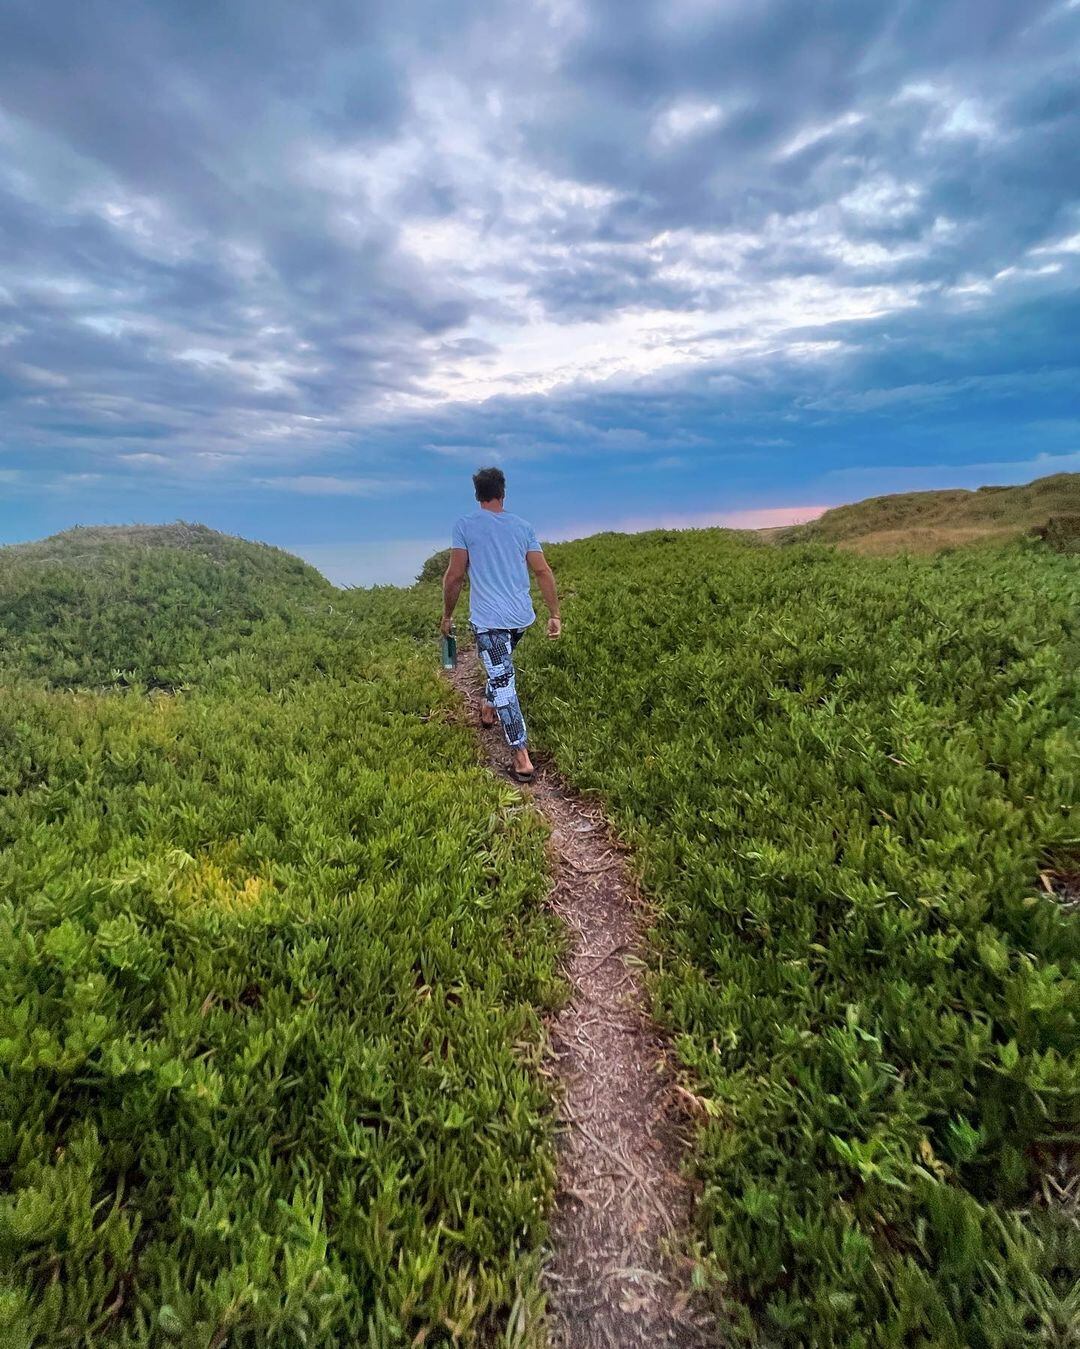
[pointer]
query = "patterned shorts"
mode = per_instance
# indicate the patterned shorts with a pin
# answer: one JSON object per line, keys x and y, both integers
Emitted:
{"x": 495, "y": 647}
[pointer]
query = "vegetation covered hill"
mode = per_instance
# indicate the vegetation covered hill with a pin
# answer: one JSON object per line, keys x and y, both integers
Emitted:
{"x": 91, "y": 542}
{"x": 926, "y": 521}
{"x": 273, "y": 958}
{"x": 108, "y": 605}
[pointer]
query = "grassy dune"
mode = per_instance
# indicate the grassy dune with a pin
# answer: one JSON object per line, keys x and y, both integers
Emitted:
{"x": 924, "y": 522}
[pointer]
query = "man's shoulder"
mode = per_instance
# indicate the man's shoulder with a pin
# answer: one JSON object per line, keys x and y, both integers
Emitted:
{"x": 480, "y": 524}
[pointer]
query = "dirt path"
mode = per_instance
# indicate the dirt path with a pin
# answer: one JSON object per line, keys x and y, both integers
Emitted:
{"x": 621, "y": 1200}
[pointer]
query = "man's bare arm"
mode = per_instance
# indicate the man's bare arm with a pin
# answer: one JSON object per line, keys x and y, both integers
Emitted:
{"x": 453, "y": 580}
{"x": 545, "y": 579}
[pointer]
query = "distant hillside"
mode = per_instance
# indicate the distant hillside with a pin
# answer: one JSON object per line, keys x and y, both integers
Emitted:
{"x": 915, "y": 522}
{"x": 143, "y": 603}
{"x": 925, "y": 521}
{"x": 97, "y": 545}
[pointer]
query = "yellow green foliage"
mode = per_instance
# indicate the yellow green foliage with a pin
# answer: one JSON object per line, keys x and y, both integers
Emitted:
{"x": 927, "y": 521}
{"x": 273, "y": 959}
{"x": 841, "y": 776}
{"x": 145, "y": 605}
{"x": 272, "y": 963}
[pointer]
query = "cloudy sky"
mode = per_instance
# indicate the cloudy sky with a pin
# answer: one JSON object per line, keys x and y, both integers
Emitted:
{"x": 294, "y": 270}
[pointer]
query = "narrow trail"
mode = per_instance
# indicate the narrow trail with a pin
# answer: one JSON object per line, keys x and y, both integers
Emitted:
{"x": 621, "y": 1203}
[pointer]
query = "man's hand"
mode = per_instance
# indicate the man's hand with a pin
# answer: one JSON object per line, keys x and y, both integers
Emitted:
{"x": 538, "y": 565}
{"x": 446, "y": 625}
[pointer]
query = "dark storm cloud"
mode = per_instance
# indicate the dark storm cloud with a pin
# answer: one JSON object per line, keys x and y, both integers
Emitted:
{"x": 913, "y": 79}
{"x": 156, "y": 247}
{"x": 894, "y": 93}
{"x": 353, "y": 234}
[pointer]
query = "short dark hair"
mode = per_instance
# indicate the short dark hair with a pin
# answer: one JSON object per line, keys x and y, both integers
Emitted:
{"x": 490, "y": 484}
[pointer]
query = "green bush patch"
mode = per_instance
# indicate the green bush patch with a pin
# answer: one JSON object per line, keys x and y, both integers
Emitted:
{"x": 840, "y": 776}
{"x": 272, "y": 966}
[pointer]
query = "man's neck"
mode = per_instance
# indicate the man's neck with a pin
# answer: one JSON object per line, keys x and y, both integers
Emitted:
{"x": 495, "y": 506}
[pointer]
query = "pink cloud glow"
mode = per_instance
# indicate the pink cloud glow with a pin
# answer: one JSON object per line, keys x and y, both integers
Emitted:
{"x": 763, "y": 517}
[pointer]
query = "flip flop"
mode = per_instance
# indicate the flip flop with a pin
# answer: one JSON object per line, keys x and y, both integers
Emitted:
{"x": 519, "y": 776}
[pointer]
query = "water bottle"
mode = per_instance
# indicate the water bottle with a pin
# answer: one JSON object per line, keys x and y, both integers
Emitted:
{"x": 449, "y": 651}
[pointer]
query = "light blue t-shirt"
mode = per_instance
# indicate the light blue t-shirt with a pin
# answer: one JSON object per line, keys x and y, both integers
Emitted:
{"x": 498, "y": 573}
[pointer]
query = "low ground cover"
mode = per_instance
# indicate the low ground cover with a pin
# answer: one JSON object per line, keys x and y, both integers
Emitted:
{"x": 842, "y": 777}
{"x": 925, "y": 522}
{"x": 273, "y": 956}
{"x": 272, "y": 967}
{"x": 110, "y": 607}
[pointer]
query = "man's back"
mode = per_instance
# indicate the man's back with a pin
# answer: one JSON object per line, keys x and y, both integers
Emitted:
{"x": 497, "y": 542}
{"x": 497, "y": 551}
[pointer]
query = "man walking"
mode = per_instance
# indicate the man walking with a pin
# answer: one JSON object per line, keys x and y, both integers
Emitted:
{"x": 498, "y": 550}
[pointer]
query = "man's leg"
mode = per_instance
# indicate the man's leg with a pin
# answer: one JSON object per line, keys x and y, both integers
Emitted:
{"x": 488, "y": 715}
{"x": 496, "y": 651}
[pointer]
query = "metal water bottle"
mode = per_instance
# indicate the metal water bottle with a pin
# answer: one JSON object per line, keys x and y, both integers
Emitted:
{"x": 449, "y": 651}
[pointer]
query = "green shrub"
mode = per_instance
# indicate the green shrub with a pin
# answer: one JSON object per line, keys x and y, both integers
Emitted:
{"x": 1062, "y": 532}
{"x": 104, "y": 607}
{"x": 434, "y": 566}
{"x": 840, "y": 776}
{"x": 272, "y": 961}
